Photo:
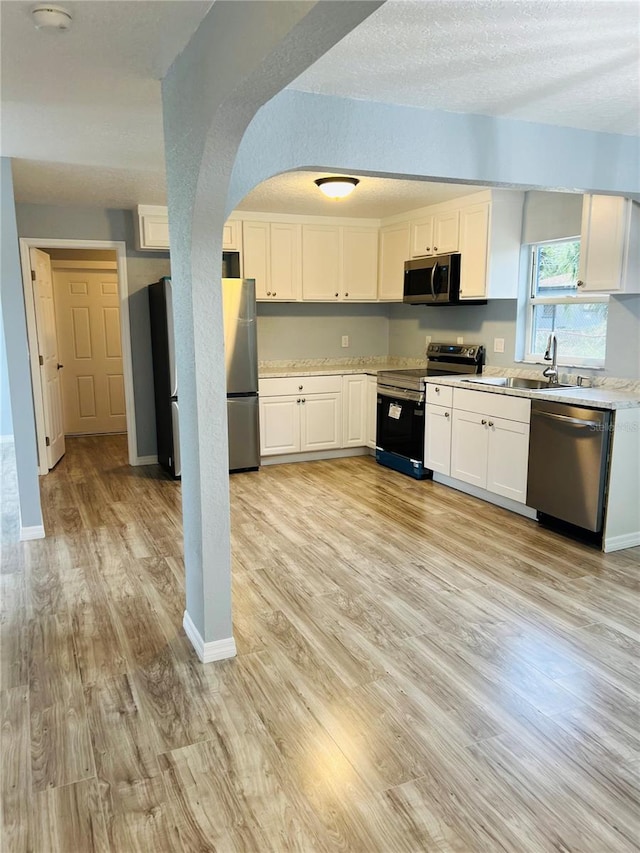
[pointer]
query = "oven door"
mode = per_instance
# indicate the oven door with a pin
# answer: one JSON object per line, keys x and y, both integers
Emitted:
{"x": 400, "y": 422}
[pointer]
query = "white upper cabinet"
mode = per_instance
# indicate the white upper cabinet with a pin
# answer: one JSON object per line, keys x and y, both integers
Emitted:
{"x": 321, "y": 264}
{"x": 395, "y": 243}
{"x": 474, "y": 249}
{"x": 436, "y": 234}
{"x": 359, "y": 264}
{"x": 232, "y": 236}
{"x": 152, "y": 228}
{"x": 610, "y": 245}
{"x": 271, "y": 252}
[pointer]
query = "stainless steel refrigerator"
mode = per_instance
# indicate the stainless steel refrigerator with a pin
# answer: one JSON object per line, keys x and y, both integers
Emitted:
{"x": 241, "y": 361}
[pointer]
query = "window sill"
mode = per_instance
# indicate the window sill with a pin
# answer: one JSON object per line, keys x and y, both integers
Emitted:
{"x": 583, "y": 364}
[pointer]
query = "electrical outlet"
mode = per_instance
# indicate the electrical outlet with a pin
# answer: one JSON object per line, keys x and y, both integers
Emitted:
{"x": 498, "y": 344}
{"x": 460, "y": 339}
{"x": 427, "y": 340}
{"x": 345, "y": 340}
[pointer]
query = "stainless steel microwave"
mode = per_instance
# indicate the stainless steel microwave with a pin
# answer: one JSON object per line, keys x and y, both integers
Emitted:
{"x": 432, "y": 281}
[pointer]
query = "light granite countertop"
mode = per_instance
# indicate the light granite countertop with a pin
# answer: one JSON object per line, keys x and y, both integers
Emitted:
{"x": 333, "y": 367}
{"x": 600, "y": 397}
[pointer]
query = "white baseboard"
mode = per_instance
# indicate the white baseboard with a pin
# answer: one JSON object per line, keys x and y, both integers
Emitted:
{"x": 145, "y": 460}
{"x": 208, "y": 652}
{"x": 35, "y": 532}
{"x": 484, "y": 495}
{"x": 314, "y": 455}
{"x": 619, "y": 543}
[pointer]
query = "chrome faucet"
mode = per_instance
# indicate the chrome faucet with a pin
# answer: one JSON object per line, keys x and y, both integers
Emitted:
{"x": 551, "y": 354}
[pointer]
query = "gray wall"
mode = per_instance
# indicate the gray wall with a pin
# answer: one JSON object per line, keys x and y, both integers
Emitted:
{"x": 6, "y": 423}
{"x": 90, "y": 223}
{"x": 304, "y": 331}
{"x": 15, "y": 337}
{"x": 409, "y": 324}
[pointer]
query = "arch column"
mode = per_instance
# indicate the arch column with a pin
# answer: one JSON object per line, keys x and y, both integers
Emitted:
{"x": 241, "y": 55}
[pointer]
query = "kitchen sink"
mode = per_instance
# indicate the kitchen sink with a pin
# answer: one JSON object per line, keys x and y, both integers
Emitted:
{"x": 518, "y": 382}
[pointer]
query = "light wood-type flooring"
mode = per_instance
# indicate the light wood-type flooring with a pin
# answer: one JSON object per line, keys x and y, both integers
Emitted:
{"x": 417, "y": 671}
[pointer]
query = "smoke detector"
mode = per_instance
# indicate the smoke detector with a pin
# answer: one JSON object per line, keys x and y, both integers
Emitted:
{"x": 48, "y": 17}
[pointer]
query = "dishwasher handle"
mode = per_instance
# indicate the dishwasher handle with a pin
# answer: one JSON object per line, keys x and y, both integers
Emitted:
{"x": 574, "y": 421}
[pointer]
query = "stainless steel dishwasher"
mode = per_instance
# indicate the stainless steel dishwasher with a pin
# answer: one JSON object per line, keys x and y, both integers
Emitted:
{"x": 568, "y": 457}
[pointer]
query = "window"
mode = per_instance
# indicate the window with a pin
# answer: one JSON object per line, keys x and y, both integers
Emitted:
{"x": 556, "y": 305}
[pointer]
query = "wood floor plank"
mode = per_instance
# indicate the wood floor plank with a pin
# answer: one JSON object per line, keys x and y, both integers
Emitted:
{"x": 69, "y": 819}
{"x": 15, "y": 769}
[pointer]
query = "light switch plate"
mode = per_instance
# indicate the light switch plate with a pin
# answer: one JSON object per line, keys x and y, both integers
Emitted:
{"x": 498, "y": 344}
{"x": 345, "y": 340}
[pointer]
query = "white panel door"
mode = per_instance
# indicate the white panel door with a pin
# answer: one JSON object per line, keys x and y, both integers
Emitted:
{"x": 437, "y": 439}
{"x": 88, "y": 318}
{"x": 321, "y": 422}
{"x": 321, "y": 278}
{"x": 508, "y": 459}
{"x": 50, "y": 367}
{"x": 469, "y": 448}
{"x": 354, "y": 398}
{"x": 359, "y": 264}
{"x": 279, "y": 425}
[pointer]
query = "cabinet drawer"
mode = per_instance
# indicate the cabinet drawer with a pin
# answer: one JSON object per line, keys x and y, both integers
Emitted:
{"x": 276, "y": 387}
{"x": 492, "y": 405}
{"x": 441, "y": 395}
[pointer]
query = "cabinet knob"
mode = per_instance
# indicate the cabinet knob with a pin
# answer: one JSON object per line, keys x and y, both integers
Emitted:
{"x": 268, "y": 293}
{"x": 483, "y": 422}
{"x": 337, "y": 294}
{"x": 490, "y": 423}
{"x": 437, "y": 390}
{"x": 298, "y": 400}
{"x": 300, "y": 387}
{"x": 346, "y": 294}
{"x": 580, "y": 283}
{"x": 303, "y": 400}
{"x": 428, "y": 248}
{"x": 435, "y": 248}
{"x": 446, "y": 414}
{"x": 274, "y": 293}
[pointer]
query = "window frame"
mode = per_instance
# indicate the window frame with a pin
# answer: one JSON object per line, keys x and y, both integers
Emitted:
{"x": 532, "y": 300}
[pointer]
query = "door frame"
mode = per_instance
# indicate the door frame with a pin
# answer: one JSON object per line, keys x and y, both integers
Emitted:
{"x": 120, "y": 248}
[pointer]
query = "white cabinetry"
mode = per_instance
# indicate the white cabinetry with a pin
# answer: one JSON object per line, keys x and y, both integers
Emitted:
{"x": 394, "y": 251}
{"x": 152, "y": 228}
{"x": 232, "y": 236}
{"x": 437, "y": 433}
{"x": 490, "y": 442}
{"x": 371, "y": 411}
{"x": 610, "y": 245}
{"x": 436, "y": 234}
{"x": 359, "y": 272}
{"x": 354, "y": 399}
{"x": 339, "y": 263}
{"x": 300, "y": 414}
{"x": 474, "y": 249}
{"x": 271, "y": 253}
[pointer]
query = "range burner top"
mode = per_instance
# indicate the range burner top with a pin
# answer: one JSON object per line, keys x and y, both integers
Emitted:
{"x": 442, "y": 360}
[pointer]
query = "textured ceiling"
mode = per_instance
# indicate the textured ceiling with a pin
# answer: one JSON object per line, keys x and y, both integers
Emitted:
{"x": 565, "y": 62}
{"x": 81, "y": 111}
{"x": 295, "y": 192}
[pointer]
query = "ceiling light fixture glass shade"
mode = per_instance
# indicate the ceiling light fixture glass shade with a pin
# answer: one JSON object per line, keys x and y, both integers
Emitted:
{"x": 338, "y": 187}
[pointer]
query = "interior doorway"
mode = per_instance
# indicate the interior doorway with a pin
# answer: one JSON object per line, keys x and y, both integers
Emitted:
{"x": 76, "y": 300}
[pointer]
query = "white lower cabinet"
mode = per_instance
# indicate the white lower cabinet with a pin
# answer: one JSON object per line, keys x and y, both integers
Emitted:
{"x": 371, "y": 412}
{"x": 299, "y": 414}
{"x": 354, "y": 397}
{"x": 489, "y": 450}
{"x": 437, "y": 439}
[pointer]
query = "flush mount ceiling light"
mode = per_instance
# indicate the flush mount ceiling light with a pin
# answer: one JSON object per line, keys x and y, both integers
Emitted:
{"x": 338, "y": 187}
{"x": 52, "y": 18}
